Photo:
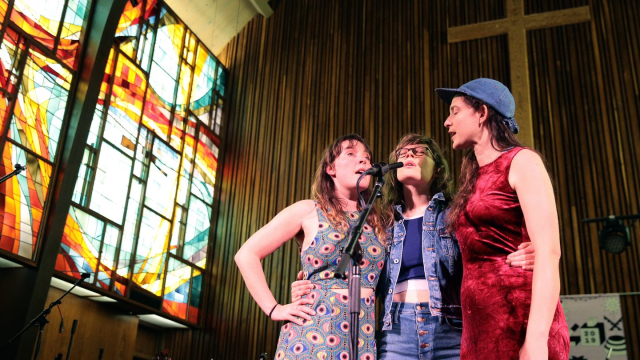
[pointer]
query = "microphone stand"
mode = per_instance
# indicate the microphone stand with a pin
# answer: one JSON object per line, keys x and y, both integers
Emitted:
{"x": 352, "y": 254}
{"x": 73, "y": 333}
{"x": 18, "y": 169}
{"x": 41, "y": 319}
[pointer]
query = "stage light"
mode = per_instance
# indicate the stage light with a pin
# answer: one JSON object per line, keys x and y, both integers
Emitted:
{"x": 614, "y": 236}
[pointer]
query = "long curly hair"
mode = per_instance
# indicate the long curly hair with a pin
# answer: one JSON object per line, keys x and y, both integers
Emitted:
{"x": 501, "y": 139}
{"x": 393, "y": 189}
{"x": 323, "y": 189}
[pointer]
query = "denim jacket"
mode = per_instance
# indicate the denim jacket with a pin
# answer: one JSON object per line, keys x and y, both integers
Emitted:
{"x": 441, "y": 258}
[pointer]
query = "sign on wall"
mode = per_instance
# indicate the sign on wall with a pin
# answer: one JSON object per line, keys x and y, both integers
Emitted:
{"x": 595, "y": 327}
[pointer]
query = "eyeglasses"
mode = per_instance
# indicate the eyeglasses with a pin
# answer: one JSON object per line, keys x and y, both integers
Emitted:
{"x": 416, "y": 151}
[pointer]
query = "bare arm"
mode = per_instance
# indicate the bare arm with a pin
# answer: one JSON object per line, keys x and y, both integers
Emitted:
{"x": 283, "y": 227}
{"x": 531, "y": 182}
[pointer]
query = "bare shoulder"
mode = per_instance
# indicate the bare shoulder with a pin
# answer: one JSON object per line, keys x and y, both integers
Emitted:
{"x": 305, "y": 211}
{"x": 286, "y": 224}
{"x": 526, "y": 157}
{"x": 527, "y": 166}
{"x": 526, "y": 161}
{"x": 300, "y": 211}
{"x": 303, "y": 207}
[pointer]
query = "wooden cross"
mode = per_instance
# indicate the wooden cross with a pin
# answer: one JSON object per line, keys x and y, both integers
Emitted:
{"x": 515, "y": 25}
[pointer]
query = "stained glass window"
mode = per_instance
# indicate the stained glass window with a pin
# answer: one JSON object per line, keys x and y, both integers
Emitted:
{"x": 37, "y": 68}
{"x": 142, "y": 204}
{"x": 139, "y": 18}
{"x": 56, "y": 24}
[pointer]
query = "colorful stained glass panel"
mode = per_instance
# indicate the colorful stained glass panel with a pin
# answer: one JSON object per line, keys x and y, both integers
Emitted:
{"x": 107, "y": 256}
{"x": 4, "y": 106}
{"x": 105, "y": 86}
{"x": 183, "y": 90}
{"x": 136, "y": 19}
{"x": 128, "y": 27}
{"x": 195, "y": 296}
{"x": 185, "y": 173}
{"x": 3, "y": 8}
{"x": 129, "y": 85}
{"x": 128, "y": 236}
{"x": 151, "y": 252}
{"x": 202, "y": 88}
{"x": 221, "y": 80}
{"x": 189, "y": 48}
{"x": 120, "y": 130}
{"x": 217, "y": 114}
{"x": 179, "y": 226}
{"x": 205, "y": 166}
{"x": 85, "y": 176}
{"x": 109, "y": 194}
{"x": 168, "y": 44}
{"x": 150, "y": 161}
{"x": 42, "y": 99}
{"x": 81, "y": 243}
{"x": 163, "y": 179}
{"x": 22, "y": 199}
{"x": 73, "y": 19}
{"x": 71, "y": 30}
{"x": 177, "y": 289}
{"x": 10, "y": 53}
{"x": 143, "y": 55}
{"x": 197, "y": 232}
{"x": 157, "y": 113}
{"x": 39, "y": 18}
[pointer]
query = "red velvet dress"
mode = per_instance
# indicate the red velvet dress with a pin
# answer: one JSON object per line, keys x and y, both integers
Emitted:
{"x": 496, "y": 298}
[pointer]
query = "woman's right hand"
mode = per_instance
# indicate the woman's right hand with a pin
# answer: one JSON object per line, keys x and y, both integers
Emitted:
{"x": 300, "y": 288}
{"x": 296, "y": 312}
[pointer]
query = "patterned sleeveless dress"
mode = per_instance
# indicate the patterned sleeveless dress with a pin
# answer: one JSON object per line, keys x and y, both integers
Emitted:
{"x": 326, "y": 336}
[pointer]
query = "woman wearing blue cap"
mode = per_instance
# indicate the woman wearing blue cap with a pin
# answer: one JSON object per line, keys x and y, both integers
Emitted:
{"x": 505, "y": 198}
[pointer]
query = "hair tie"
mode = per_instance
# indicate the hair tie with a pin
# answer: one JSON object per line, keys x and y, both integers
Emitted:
{"x": 273, "y": 308}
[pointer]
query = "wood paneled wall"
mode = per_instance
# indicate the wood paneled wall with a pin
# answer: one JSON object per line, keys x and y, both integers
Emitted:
{"x": 316, "y": 70}
{"x": 98, "y": 328}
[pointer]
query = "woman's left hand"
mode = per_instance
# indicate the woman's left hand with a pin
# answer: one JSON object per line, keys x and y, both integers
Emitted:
{"x": 538, "y": 351}
{"x": 524, "y": 257}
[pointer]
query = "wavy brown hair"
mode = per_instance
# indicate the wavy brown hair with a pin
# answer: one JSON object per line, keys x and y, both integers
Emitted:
{"x": 323, "y": 189}
{"x": 501, "y": 139}
{"x": 393, "y": 189}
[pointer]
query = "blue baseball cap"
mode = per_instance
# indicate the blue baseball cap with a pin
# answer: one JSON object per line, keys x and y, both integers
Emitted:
{"x": 492, "y": 93}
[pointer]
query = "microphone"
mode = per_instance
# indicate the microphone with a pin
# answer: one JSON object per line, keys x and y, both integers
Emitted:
{"x": 382, "y": 168}
{"x": 73, "y": 333}
{"x": 85, "y": 276}
{"x": 61, "y": 320}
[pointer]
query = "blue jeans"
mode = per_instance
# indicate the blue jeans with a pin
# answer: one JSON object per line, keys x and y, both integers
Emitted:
{"x": 416, "y": 334}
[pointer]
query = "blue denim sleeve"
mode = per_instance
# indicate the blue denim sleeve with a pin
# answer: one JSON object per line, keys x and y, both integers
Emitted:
{"x": 384, "y": 276}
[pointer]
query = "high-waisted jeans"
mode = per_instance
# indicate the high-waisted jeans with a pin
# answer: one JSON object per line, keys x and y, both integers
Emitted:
{"x": 416, "y": 334}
